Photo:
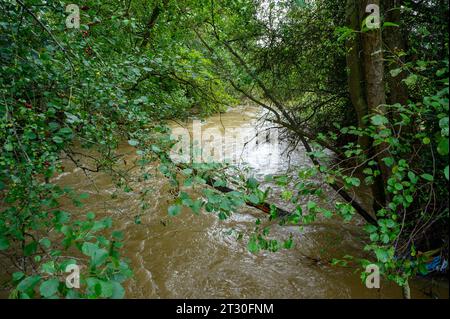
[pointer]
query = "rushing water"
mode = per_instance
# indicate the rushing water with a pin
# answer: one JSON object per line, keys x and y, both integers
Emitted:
{"x": 194, "y": 256}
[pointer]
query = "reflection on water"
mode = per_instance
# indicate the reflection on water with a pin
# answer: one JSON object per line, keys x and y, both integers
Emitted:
{"x": 200, "y": 257}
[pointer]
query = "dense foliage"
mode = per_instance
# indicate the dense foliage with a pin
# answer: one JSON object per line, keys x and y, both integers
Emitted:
{"x": 134, "y": 64}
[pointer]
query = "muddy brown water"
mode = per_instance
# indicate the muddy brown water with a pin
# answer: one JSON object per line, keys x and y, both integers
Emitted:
{"x": 199, "y": 256}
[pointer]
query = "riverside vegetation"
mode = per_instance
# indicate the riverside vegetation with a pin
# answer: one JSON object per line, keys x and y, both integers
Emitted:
{"x": 368, "y": 105}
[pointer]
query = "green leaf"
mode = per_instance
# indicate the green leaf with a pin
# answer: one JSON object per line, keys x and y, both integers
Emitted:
{"x": 443, "y": 124}
{"x": 253, "y": 198}
{"x": 382, "y": 254}
{"x": 48, "y": 267}
{"x": 398, "y": 186}
{"x": 427, "y": 177}
{"x": 18, "y": 275}
{"x": 395, "y": 72}
{"x": 385, "y": 239}
{"x": 30, "y": 135}
{"x": 65, "y": 131}
{"x": 99, "y": 257}
{"x": 389, "y": 161}
{"x": 73, "y": 294}
{"x": 83, "y": 196}
{"x": 409, "y": 198}
{"x": 174, "y": 210}
{"x": 390, "y": 24}
{"x": 187, "y": 171}
{"x": 412, "y": 177}
{"x": 61, "y": 217}
{"x": 156, "y": 149}
{"x": 220, "y": 183}
{"x": 49, "y": 287}
{"x": 4, "y": 243}
{"x": 106, "y": 289}
{"x": 390, "y": 223}
{"x": 118, "y": 292}
{"x": 446, "y": 172}
{"x": 443, "y": 147}
{"x": 57, "y": 140}
{"x": 252, "y": 245}
{"x": 9, "y": 147}
{"x": 196, "y": 206}
{"x": 423, "y": 269}
{"x": 94, "y": 286}
{"x": 411, "y": 80}
{"x": 252, "y": 183}
{"x": 311, "y": 205}
{"x": 89, "y": 248}
{"x": 30, "y": 249}
{"x": 28, "y": 283}
{"x": 188, "y": 182}
{"x": 133, "y": 142}
{"x": 117, "y": 235}
{"x": 288, "y": 244}
{"x": 370, "y": 228}
{"x": 441, "y": 72}
{"x": 379, "y": 120}
{"x": 353, "y": 181}
{"x": 45, "y": 242}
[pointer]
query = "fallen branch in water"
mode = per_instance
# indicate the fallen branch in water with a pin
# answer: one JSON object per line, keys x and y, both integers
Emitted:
{"x": 264, "y": 207}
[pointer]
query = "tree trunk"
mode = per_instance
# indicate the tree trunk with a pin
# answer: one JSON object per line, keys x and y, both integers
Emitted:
{"x": 395, "y": 43}
{"x": 157, "y": 10}
{"x": 355, "y": 73}
{"x": 374, "y": 67}
{"x": 366, "y": 85}
{"x": 376, "y": 98}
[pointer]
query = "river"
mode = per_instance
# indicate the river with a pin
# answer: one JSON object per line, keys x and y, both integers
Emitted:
{"x": 199, "y": 256}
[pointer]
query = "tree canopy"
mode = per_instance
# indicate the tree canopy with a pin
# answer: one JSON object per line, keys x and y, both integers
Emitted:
{"x": 362, "y": 86}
